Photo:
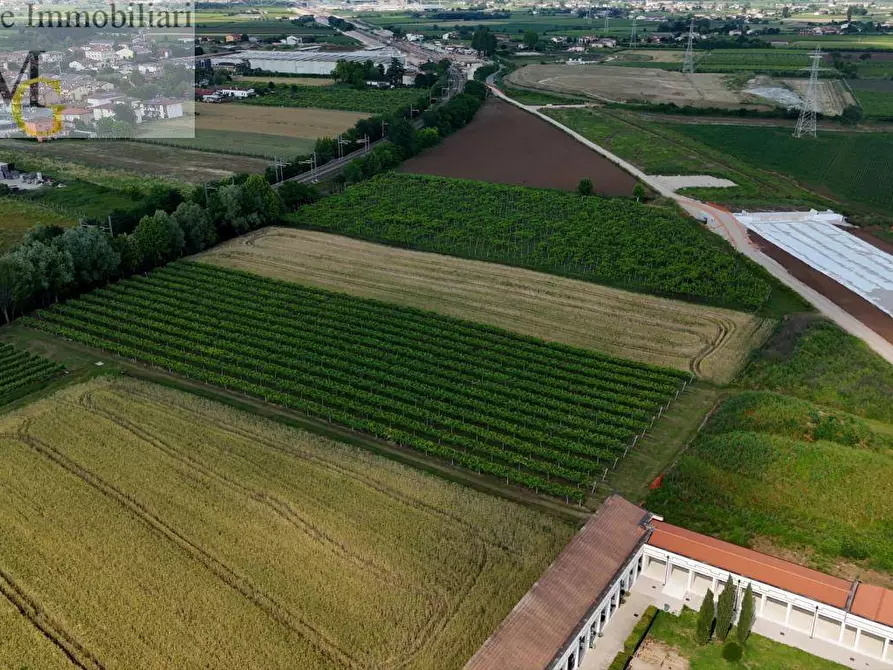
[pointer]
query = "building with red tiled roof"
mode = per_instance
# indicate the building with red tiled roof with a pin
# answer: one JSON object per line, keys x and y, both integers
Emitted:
{"x": 553, "y": 616}
{"x": 752, "y": 564}
{"x": 623, "y": 547}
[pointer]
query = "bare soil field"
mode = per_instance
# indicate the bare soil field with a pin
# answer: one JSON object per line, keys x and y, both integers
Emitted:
{"x": 301, "y": 81}
{"x": 655, "y": 55}
{"x": 624, "y": 84}
{"x": 143, "y": 158}
{"x": 833, "y": 95}
{"x": 285, "y": 121}
{"x": 148, "y": 528}
{"x": 506, "y": 145}
{"x": 871, "y": 316}
{"x": 713, "y": 343}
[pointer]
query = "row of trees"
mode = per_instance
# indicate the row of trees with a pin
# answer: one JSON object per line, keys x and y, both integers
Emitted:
{"x": 716, "y": 618}
{"x": 406, "y": 140}
{"x": 356, "y": 74}
{"x": 52, "y": 262}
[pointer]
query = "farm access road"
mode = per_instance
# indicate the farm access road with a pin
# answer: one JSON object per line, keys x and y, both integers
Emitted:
{"x": 725, "y": 224}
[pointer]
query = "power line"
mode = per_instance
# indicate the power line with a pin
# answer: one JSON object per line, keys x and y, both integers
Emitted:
{"x": 806, "y": 123}
{"x": 688, "y": 64}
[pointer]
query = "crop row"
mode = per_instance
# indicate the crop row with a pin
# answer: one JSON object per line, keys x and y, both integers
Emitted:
{"x": 549, "y": 427}
{"x": 615, "y": 241}
{"x": 18, "y": 368}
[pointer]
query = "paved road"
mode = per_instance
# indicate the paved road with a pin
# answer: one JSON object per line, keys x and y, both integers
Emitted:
{"x": 725, "y": 224}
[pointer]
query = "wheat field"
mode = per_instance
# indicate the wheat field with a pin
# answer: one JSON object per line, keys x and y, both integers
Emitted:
{"x": 710, "y": 342}
{"x": 141, "y": 527}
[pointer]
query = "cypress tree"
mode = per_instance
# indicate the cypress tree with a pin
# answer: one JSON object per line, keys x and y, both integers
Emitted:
{"x": 725, "y": 610}
{"x": 705, "y": 619}
{"x": 745, "y": 621}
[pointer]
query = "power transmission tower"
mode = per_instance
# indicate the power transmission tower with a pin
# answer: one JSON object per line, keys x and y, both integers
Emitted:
{"x": 806, "y": 122}
{"x": 607, "y": 19}
{"x": 688, "y": 64}
{"x": 632, "y": 37}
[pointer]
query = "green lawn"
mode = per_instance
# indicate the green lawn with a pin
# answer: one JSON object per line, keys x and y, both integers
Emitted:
{"x": 760, "y": 653}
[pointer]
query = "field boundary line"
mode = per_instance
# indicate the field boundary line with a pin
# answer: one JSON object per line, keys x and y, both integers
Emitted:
{"x": 29, "y": 608}
{"x": 227, "y": 575}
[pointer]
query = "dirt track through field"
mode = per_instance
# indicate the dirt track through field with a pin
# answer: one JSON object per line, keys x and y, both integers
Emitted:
{"x": 710, "y": 342}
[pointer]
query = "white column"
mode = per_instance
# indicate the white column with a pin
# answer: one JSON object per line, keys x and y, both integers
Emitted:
{"x": 667, "y": 571}
{"x": 842, "y": 631}
{"x": 886, "y": 647}
{"x": 858, "y": 635}
{"x": 787, "y": 614}
{"x": 762, "y": 603}
{"x": 691, "y": 575}
{"x": 815, "y": 622}
{"x": 713, "y": 587}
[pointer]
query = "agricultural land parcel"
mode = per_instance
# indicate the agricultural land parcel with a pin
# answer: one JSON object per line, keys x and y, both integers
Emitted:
{"x": 613, "y": 241}
{"x": 802, "y": 465}
{"x": 545, "y": 416}
{"x": 371, "y": 100}
{"x": 175, "y": 164}
{"x": 489, "y": 150}
{"x": 263, "y": 131}
{"x": 845, "y": 171}
{"x": 710, "y": 342}
{"x": 622, "y": 84}
{"x": 262, "y": 533}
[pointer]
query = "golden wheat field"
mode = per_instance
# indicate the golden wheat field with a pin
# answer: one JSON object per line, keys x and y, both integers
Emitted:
{"x": 141, "y": 527}
{"x": 710, "y": 342}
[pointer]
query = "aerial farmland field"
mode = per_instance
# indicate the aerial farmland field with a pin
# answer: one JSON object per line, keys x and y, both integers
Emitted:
{"x": 708, "y": 341}
{"x": 488, "y": 149}
{"x": 540, "y": 415}
{"x": 613, "y": 241}
{"x": 143, "y": 527}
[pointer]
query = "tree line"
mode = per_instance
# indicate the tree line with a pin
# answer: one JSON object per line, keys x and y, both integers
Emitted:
{"x": 52, "y": 262}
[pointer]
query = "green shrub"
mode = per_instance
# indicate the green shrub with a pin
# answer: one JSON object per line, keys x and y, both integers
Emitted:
{"x": 732, "y": 652}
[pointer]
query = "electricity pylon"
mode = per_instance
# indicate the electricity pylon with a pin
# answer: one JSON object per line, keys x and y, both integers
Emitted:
{"x": 688, "y": 63}
{"x": 632, "y": 37}
{"x": 806, "y": 124}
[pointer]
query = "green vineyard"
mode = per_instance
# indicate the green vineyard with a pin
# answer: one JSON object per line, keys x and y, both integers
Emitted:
{"x": 19, "y": 368}
{"x": 614, "y": 241}
{"x": 546, "y": 416}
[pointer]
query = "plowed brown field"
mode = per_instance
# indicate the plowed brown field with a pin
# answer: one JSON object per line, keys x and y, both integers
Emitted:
{"x": 507, "y": 145}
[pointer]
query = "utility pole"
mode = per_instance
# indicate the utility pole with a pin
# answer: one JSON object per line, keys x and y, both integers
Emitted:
{"x": 632, "y": 37}
{"x": 688, "y": 64}
{"x": 806, "y": 123}
{"x": 607, "y": 21}
{"x": 384, "y": 125}
{"x": 311, "y": 163}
